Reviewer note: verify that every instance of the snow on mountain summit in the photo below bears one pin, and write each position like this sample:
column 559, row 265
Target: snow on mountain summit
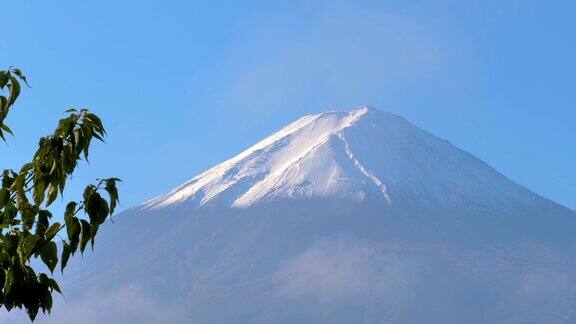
column 361, row 154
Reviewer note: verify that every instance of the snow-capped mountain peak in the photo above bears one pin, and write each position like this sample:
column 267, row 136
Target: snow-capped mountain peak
column 361, row 154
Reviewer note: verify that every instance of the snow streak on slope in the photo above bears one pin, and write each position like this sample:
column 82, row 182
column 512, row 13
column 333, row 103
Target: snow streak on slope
column 357, row 155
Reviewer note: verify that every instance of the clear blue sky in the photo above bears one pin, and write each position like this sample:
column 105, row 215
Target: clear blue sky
column 183, row 85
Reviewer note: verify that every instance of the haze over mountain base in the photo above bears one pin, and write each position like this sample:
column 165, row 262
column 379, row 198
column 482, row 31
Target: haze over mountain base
column 355, row 217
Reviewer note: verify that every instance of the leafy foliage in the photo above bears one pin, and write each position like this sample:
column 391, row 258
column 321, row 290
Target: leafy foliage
column 26, row 227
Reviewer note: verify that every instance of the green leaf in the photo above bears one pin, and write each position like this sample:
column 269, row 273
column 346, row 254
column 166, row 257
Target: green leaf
column 42, row 222
column 3, row 102
column 97, row 208
column 7, row 129
column 28, row 216
column 85, row 236
column 39, row 190
column 46, row 300
column 10, row 212
column 88, row 192
column 14, row 90
column 72, row 226
column 29, row 244
column 20, row 75
column 10, row 243
column 4, row 197
column 49, row 256
column 8, row 178
column 110, row 187
column 52, row 230
column 54, row 285
column 65, row 256
column 52, row 194
column 93, row 232
column 32, row 310
column 8, row 282
column 18, row 182
column 4, row 78
column 70, row 210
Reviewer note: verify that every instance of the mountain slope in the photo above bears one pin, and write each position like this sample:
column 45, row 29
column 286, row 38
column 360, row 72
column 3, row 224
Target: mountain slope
column 341, row 217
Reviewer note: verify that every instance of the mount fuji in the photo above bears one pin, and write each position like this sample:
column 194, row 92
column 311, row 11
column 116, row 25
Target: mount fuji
column 355, row 156
column 340, row 217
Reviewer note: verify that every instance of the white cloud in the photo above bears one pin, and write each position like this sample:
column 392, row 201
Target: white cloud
column 405, row 282
column 129, row 304
column 345, row 268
